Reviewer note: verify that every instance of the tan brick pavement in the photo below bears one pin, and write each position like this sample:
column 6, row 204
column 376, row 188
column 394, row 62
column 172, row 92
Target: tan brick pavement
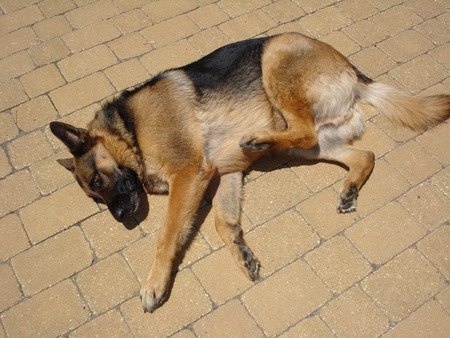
column 67, row 269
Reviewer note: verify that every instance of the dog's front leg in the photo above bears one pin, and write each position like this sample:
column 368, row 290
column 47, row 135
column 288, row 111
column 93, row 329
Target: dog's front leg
column 186, row 192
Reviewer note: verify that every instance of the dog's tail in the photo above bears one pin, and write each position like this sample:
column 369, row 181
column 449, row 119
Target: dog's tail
column 416, row 113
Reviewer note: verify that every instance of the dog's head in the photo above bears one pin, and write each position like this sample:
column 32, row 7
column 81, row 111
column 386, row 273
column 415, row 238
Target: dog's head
column 98, row 173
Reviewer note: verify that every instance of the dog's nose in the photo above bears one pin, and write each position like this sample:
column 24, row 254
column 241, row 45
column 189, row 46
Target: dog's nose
column 119, row 214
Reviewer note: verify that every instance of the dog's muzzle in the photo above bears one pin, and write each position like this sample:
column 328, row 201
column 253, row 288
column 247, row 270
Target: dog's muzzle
column 125, row 196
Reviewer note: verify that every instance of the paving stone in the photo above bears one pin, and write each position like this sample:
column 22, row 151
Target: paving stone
column 354, row 314
column 17, row 41
column 127, row 74
column 5, row 167
column 403, row 284
column 397, row 133
column 364, row 61
column 46, row 314
column 162, row 10
column 49, row 51
column 106, row 235
column 171, row 56
column 325, row 21
column 341, row 43
column 52, row 261
column 15, row 65
column 440, row 54
column 444, row 298
column 320, row 212
column 132, row 21
column 209, row 40
column 10, row 288
column 309, row 327
column 442, row 181
column 338, row 264
column 375, row 140
column 413, row 162
column 186, row 303
column 14, row 5
column 92, row 13
column 365, row 33
column 313, row 5
column 53, row 27
column 235, row 9
column 273, row 194
column 385, row 233
column 87, row 62
column 219, row 268
column 51, row 7
column 406, row 45
column 388, row 19
column 110, row 324
column 284, row 11
column 281, row 241
column 9, row 129
column 42, row 80
column 419, row 73
column 14, row 237
column 208, row 16
column 90, row 36
column 434, row 30
column 292, row 293
column 169, row 31
column 385, row 4
column 430, row 320
column 18, row 19
column 49, row 175
column 247, row 25
column 217, row 323
column 21, row 186
column 127, row 5
column 129, row 46
column 357, row 9
column 12, row 94
column 428, row 204
column 383, row 185
column 433, row 139
column 436, row 247
column 28, row 149
column 81, row 93
column 34, row 114
column 49, row 215
column 107, row 283
column 317, row 176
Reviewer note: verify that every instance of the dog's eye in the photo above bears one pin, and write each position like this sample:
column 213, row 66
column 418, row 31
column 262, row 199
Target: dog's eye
column 96, row 182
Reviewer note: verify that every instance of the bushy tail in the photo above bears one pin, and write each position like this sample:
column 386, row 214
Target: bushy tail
column 416, row 113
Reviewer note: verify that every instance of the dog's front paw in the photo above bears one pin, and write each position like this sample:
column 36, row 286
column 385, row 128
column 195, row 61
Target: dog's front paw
column 347, row 200
column 152, row 296
column 254, row 143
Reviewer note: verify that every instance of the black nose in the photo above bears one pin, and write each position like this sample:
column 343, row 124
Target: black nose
column 119, row 213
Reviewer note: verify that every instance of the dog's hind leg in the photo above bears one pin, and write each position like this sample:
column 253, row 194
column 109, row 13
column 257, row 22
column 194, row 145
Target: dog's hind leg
column 186, row 192
column 359, row 163
column 227, row 208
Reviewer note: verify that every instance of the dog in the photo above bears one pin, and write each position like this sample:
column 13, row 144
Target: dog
column 215, row 117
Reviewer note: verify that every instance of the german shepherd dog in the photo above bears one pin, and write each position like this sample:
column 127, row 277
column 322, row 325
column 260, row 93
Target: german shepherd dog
column 216, row 116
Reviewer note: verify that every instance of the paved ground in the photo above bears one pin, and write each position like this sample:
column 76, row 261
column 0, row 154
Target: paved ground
column 68, row 269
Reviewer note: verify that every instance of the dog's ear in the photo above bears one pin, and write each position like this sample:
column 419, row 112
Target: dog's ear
column 67, row 163
column 74, row 138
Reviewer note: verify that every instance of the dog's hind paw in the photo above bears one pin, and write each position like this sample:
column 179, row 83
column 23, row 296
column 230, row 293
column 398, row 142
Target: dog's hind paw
column 347, row 201
column 254, row 143
column 250, row 263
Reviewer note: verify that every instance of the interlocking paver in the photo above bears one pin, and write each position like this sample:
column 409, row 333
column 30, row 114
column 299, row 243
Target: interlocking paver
column 49, row 313
column 354, row 314
column 52, row 261
column 67, row 268
column 403, row 284
column 379, row 238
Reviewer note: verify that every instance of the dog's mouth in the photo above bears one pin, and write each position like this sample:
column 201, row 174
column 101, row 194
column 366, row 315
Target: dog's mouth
column 124, row 200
